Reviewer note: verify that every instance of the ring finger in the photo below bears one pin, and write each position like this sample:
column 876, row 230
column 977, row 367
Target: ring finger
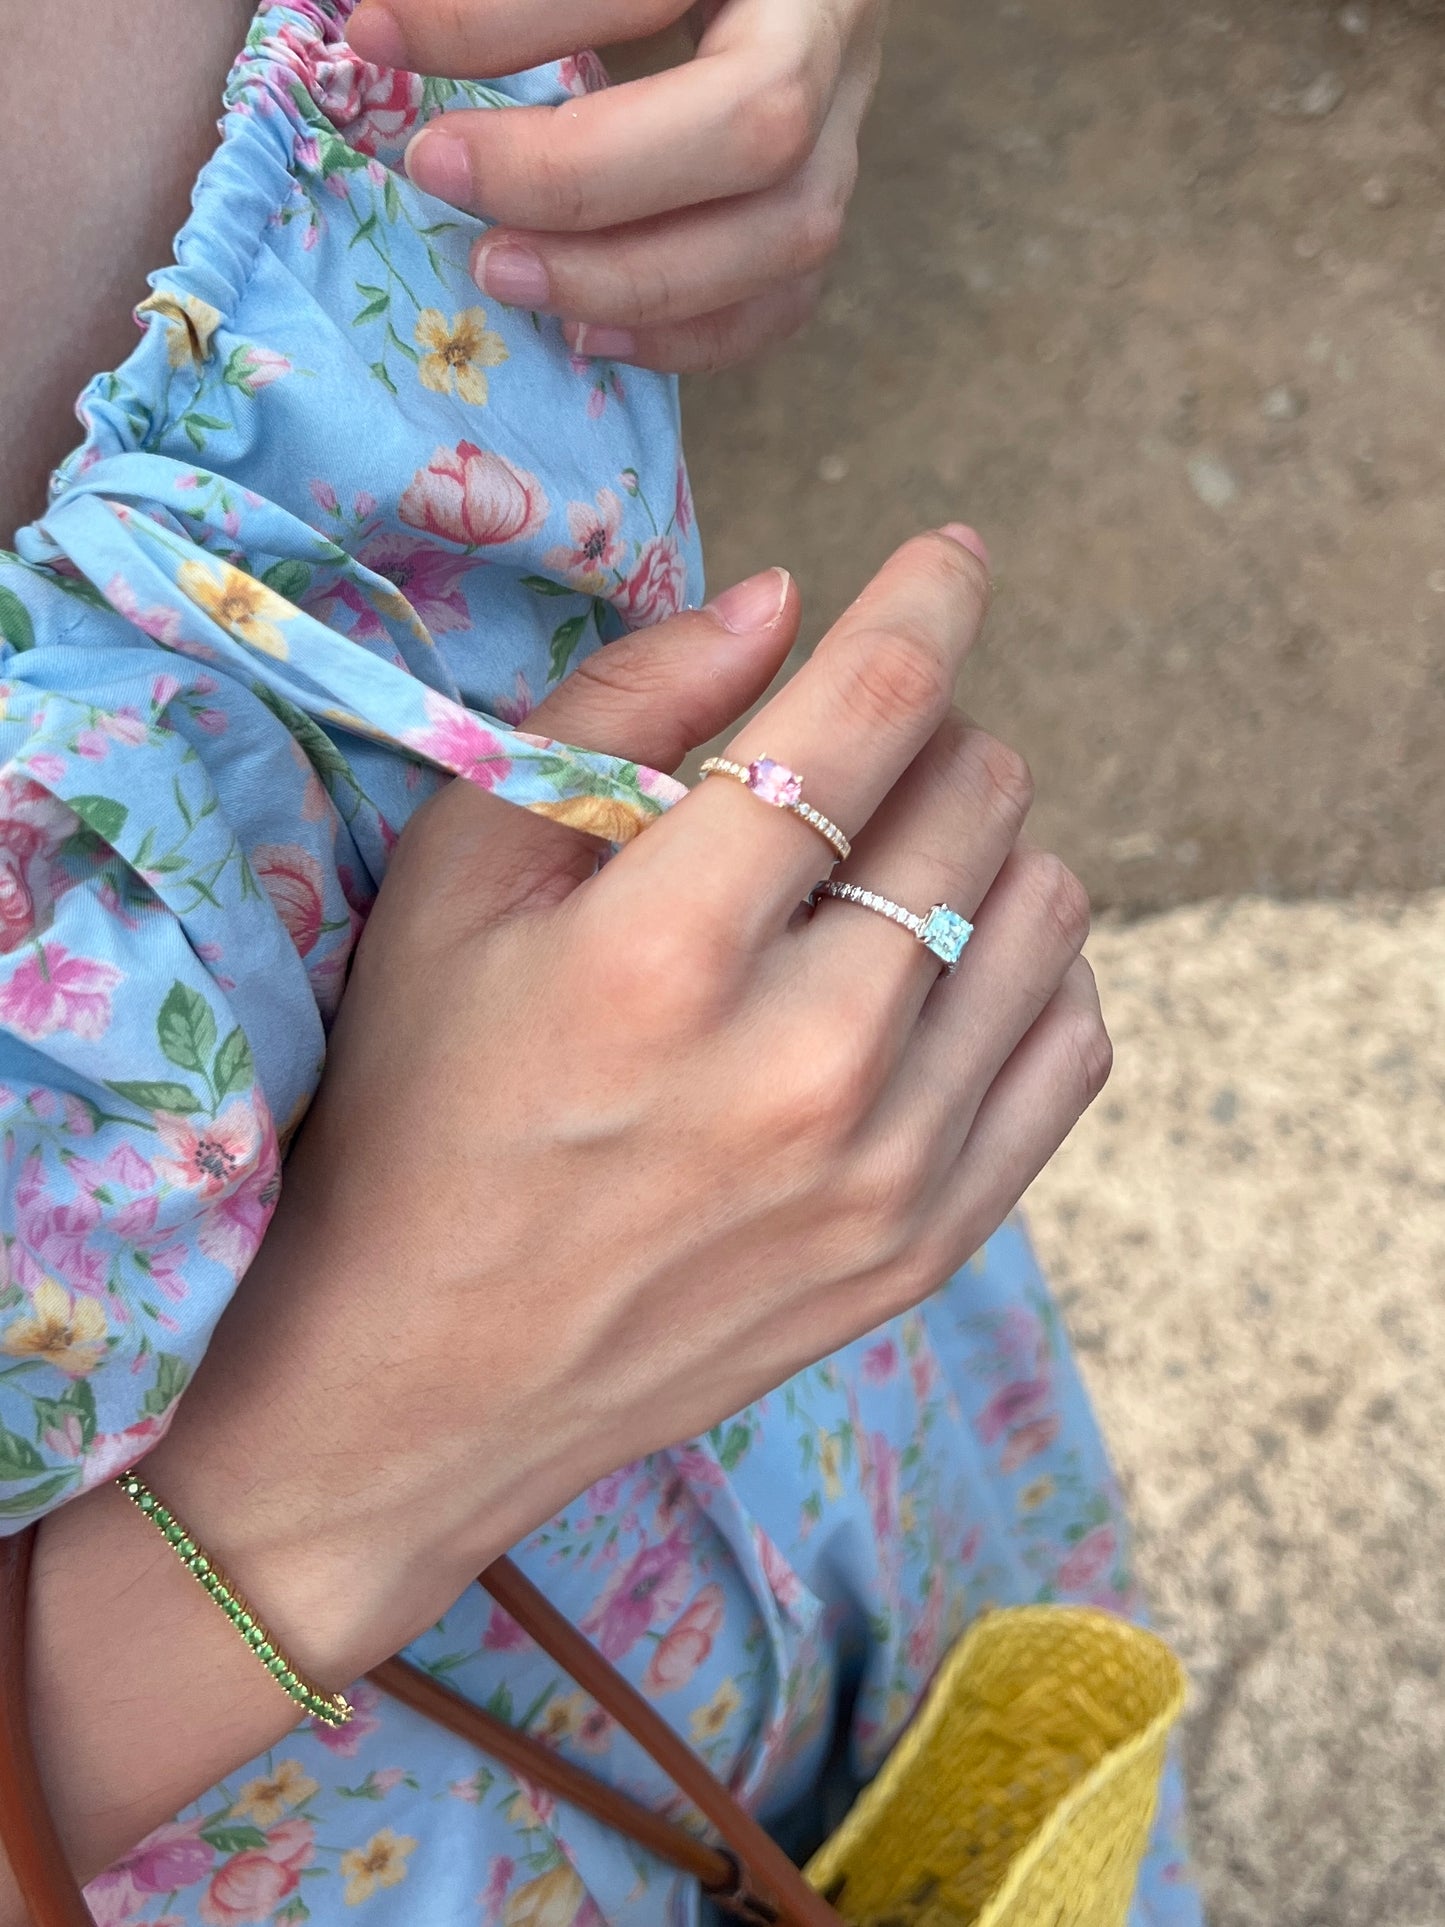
column 1031, row 927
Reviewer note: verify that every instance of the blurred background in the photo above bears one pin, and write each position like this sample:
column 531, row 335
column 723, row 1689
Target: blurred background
column 1152, row 294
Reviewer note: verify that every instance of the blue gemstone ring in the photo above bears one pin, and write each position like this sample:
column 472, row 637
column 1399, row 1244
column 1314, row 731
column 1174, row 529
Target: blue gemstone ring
column 941, row 930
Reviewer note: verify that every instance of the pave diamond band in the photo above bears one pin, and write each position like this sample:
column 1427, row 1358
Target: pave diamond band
column 776, row 784
column 941, row 930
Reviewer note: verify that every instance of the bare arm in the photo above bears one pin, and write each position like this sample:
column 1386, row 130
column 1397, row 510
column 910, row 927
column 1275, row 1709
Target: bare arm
column 102, row 134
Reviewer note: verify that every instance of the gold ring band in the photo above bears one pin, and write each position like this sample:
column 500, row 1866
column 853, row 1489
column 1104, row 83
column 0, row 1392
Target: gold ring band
column 775, row 784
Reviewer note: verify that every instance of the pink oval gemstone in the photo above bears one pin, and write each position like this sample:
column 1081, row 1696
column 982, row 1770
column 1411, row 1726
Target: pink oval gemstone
column 774, row 782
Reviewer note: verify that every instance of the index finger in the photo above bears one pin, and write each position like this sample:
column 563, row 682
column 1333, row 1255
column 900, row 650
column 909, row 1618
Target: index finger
column 733, row 121
column 848, row 724
column 478, row 39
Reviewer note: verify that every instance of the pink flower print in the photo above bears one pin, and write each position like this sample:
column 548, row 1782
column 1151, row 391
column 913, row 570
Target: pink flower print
column 65, row 1439
column 651, row 1586
column 969, row 1548
column 583, row 73
column 686, row 1644
column 470, row 496
column 1017, row 1404
column 375, row 107
column 307, row 151
column 1028, row 1441
column 698, row 1467
column 1090, row 1559
column 516, row 708
column 429, row 578
column 656, row 588
column 682, row 502
column 880, row 1362
column 595, row 1730
column 882, row 1484
column 345, row 1741
column 923, row 1370
column 923, row 1641
column 459, row 742
column 595, row 544
column 503, row 1634
column 211, row 1156
column 112, row 1453
column 215, row 722
column 163, row 690
column 292, row 879
column 494, row 1894
column 55, row 991
column 252, row 367
column 122, row 726
column 783, row 1582
column 33, row 826
column 232, row 1230
column 324, row 496
column 386, row 1778
column 123, row 1165
column 161, row 624
column 172, row 1857
column 253, row 1883
column 54, row 1242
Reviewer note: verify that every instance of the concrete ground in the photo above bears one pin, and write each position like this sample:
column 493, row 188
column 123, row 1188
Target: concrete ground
column 1152, row 293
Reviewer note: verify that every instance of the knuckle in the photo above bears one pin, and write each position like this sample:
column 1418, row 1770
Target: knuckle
column 1004, row 778
column 1062, row 901
column 1090, row 1054
column 778, row 129
column 819, row 233
column 555, row 189
column 824, row 1087
column 956, row 571
column 887, row 676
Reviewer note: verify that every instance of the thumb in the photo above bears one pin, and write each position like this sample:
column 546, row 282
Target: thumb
column 654, row 695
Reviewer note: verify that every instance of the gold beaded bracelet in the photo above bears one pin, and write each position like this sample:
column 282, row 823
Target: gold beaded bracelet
column 333, row 1709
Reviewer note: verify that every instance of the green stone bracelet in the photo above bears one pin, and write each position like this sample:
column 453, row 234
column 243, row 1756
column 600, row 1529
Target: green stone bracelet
column 331, row 1708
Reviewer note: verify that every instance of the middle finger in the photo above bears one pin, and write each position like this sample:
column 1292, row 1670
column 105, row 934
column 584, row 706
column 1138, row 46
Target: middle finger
column 941, row 837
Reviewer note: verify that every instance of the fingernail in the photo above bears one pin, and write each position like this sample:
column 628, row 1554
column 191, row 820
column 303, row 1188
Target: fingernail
column 440, row 164
column 512, row 274
column 967, row 538
column 375, row 33
column 604, row 344
column 752, row 606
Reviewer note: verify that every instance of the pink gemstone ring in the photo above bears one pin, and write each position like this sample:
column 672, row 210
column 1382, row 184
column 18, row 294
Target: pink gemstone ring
column 776, row 784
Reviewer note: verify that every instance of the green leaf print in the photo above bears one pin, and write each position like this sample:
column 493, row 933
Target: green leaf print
column 564, row 643
column 158, row 1095
column 735, row 1442
column 186, row 1028
column 15, row 624
column 37, row 1497
column 378, row 304
column 171, row 1376
column 77, row 1402
column 18, row 1457
column 541, row 585
column 288, row 578
column 103, row 814
column 233, row 1836
column 234, row 1069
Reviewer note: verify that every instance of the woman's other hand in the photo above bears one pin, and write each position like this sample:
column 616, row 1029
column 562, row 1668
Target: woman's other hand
column 681, row 221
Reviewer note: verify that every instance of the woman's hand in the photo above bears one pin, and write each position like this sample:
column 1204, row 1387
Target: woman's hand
column 597, row 1159
column 678, row 222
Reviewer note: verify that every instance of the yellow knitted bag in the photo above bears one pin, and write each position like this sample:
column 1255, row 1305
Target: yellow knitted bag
column 1023, row 1792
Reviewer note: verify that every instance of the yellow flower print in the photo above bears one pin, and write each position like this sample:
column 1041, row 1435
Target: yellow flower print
column 1035, row 1495
column 609, row 817
column 266, row 1799
column 551, row 1900
column 68, row 1333
column 380, row 1863
column 244, row 607
column 457, row 352
column 559, row 1720
column 907, row 1514
column 710, row 1721
column 830, row 1464
column 190, row 324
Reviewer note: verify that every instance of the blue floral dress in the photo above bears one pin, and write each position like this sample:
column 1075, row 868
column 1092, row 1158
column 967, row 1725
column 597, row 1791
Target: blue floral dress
column 334, row 528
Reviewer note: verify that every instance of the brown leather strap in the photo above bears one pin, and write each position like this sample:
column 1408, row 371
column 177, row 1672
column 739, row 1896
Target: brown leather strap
column 766, row 1873
column 540, row 1766
column 27, row 1831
